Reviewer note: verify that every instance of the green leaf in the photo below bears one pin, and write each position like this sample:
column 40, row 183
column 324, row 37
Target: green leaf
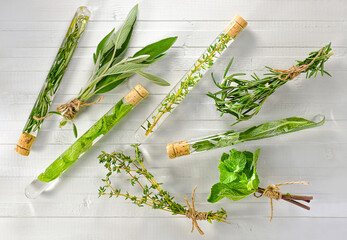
column 156, row 49
column 100, row 48
column 74, row 130
column 217, row 192
column 122, row 35
column 110, row 82
column 278, row 127
column 155, row 79
column 125, row 67
column 238, row 176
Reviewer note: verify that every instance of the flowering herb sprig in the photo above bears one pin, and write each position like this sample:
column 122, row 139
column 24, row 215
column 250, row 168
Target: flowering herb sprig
column 153, row 194
column 244, row 98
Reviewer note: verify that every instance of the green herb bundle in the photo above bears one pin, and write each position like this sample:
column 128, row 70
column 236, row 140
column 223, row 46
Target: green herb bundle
column 111, row 68
column 152, row 193
column 244, row 98
column 238, row 179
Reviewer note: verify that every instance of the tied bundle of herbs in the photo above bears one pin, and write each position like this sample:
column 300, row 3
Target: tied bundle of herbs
column 111, row 69
column 244, row 98
column 152, row 193
column 238, row 179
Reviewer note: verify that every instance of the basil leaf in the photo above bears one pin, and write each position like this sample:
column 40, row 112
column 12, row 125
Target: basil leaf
column 157, row 48
column 155, row 79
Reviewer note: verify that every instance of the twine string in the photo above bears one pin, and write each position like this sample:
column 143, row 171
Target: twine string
column 273, row 192
column 69, row 110
column 295, row 71
column 194, row 215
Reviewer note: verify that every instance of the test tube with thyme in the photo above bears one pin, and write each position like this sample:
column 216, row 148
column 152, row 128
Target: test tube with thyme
column 52, row 82
column 191, row 78
column 229, row 138
column 86, row 141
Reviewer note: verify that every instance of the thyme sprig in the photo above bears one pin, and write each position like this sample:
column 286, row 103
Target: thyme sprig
column 193, row 76
column 153, row 194
column 244, row 98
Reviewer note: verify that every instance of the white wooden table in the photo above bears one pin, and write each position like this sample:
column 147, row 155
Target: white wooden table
column 278, row 33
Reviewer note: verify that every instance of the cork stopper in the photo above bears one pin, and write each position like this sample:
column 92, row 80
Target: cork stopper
column 235, row 26
column 136, row 95
column 24, row 144
column 178, row 149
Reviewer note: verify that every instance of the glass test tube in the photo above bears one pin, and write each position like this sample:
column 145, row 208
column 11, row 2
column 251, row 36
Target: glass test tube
column 86, row 141
column 191, row 78
column 229, row 138
column 52, row 82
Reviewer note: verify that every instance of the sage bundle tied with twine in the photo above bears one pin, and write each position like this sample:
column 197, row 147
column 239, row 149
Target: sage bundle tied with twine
column 153, row 194
column 244, row 98
column 112, row 68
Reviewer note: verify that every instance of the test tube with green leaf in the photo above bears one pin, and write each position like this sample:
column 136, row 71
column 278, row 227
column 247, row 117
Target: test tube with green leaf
column 86, row 141
column 229, row 138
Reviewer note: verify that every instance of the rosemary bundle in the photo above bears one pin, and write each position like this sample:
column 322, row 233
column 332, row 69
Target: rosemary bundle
column 238, row 179
column 86, row 141
column 192, row 77
column 152, row 193
column 111, row 69
column 52, row 82
column 265, row 130
column 244, row 98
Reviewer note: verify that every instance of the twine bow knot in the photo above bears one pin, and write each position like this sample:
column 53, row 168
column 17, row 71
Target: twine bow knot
column 194, row 215
column 69, row 110
column 294, row 71
column 273, row 192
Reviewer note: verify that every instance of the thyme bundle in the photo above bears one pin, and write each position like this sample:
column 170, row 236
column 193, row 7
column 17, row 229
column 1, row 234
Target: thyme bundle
column 52, row 82
column 244, row 98
column 238, row 179
column 152, row 193
column 111, row 69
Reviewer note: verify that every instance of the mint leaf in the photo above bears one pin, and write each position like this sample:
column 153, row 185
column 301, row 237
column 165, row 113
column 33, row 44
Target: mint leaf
column 238, row 176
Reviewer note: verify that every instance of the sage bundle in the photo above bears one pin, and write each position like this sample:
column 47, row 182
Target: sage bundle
column 244, row 98
column 52, row 82
column 153, row 194
column 238, row 179
column 191, row 78
column 265, row 130
column 86, row 141
column 111, row 68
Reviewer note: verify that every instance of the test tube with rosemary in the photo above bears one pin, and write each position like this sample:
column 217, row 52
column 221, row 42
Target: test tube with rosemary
column 52, row 82
column 229, row 138
column 86, row 141
column 191, row 78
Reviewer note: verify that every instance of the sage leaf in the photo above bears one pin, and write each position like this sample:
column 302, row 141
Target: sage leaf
column 155, row 79
column 157, row 48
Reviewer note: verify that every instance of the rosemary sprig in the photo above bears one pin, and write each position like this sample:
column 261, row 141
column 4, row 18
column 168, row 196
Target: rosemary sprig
column 56, row 73
column 244, row 98
column 152, row 193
